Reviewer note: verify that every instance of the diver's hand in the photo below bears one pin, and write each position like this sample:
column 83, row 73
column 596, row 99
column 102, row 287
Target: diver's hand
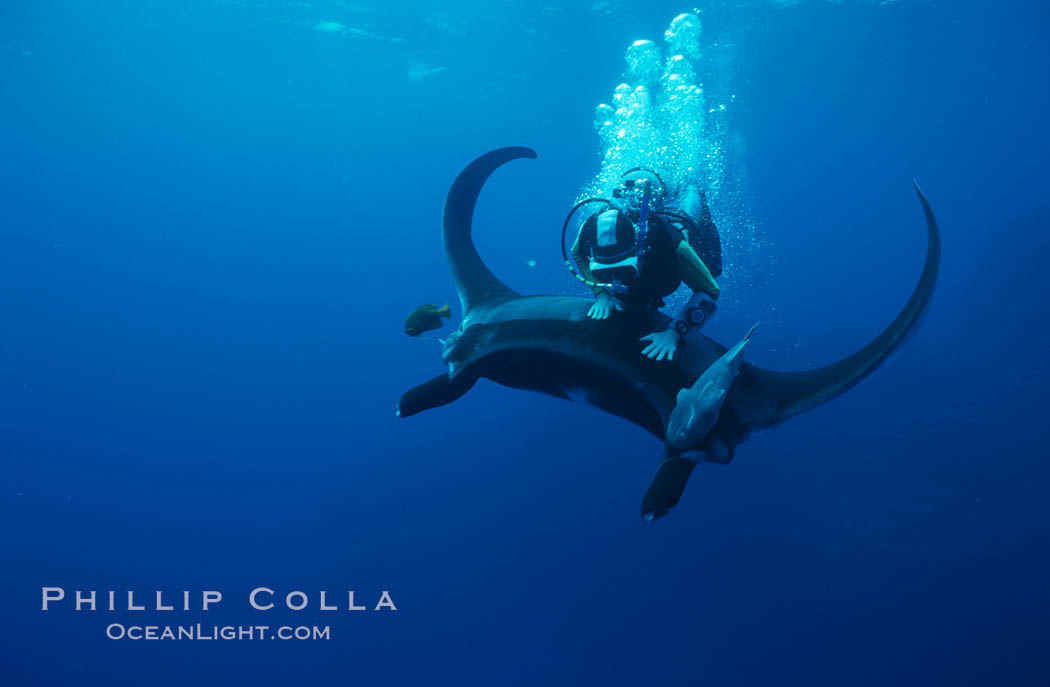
column 663, row 344
column 603, row 306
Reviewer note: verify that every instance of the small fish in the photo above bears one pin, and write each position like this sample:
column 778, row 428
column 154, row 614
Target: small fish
column 426, row 318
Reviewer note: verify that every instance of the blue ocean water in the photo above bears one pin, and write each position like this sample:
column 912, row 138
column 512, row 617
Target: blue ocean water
column 215, row 215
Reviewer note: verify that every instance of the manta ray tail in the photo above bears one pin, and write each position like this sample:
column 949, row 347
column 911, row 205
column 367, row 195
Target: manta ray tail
column 474, row 282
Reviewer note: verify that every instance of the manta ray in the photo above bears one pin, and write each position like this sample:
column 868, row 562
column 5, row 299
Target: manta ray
column 548, row 344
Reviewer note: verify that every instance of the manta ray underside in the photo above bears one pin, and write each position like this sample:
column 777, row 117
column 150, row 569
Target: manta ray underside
column 548, row 344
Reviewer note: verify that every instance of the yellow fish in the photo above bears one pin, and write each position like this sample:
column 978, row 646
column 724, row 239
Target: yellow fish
column 426, row 318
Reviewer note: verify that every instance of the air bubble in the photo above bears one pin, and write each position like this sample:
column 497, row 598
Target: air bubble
column 660, row 118
column 683, row 36
column 643, row 62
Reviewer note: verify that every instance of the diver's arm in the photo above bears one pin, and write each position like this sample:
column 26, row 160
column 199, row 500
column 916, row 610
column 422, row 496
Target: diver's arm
column 604, row 302
column 662, row 345
column 694, row 272
column 584, row 266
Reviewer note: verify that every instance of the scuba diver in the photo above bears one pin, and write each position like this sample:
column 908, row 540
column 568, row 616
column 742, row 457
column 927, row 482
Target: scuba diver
column 635, row 252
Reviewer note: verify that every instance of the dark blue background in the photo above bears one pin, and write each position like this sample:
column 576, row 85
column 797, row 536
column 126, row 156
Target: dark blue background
column 214, row 217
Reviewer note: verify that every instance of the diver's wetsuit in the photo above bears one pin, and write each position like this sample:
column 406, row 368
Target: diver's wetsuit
column 669, row 262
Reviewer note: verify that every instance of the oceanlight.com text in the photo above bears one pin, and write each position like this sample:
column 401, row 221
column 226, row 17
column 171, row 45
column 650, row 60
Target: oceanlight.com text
column 199, row 632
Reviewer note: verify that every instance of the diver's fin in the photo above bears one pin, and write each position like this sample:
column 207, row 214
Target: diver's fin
column 438, row 391
column 667, row 487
